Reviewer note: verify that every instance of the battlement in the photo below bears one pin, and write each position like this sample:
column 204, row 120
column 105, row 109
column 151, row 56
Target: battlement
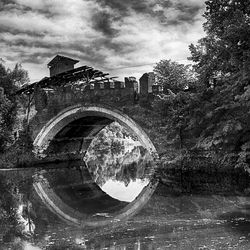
column 109, row 85
column 112, row 93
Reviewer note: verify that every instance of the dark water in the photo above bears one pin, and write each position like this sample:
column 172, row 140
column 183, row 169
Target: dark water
column 167, row 221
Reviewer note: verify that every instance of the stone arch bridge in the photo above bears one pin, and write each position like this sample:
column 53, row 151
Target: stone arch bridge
column 70, row 109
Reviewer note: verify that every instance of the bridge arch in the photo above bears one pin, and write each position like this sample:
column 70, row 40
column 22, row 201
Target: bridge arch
column 88, row 121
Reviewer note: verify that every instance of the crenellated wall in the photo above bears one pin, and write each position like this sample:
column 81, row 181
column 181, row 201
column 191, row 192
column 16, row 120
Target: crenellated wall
column 107, row 92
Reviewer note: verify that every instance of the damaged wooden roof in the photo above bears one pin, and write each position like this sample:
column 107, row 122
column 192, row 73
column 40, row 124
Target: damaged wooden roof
column 84, row 73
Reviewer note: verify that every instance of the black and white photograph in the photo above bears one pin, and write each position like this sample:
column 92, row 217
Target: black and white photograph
column 124, row 124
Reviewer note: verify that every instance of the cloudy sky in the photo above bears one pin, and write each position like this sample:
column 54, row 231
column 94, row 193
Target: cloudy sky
column 116, row 36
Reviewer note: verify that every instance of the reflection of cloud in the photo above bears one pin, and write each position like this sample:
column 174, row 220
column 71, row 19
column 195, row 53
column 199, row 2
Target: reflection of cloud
column 102, row 33
column 29, row 246
column 120, row 191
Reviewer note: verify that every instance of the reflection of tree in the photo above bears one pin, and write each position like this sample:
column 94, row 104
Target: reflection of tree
column 128, row 173
column 15, row 207
column 8, row 203
column 116, row 155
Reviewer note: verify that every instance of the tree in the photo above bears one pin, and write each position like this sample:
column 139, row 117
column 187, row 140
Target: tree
column 226, row 47
column 216, row 115
column 222, row 62
column 172, row 75
column 10, row 81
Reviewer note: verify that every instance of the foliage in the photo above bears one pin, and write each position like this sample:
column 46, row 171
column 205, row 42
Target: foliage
column 226, row 46
column 226, row 60
column 173, row 76
column 215, row 114
column 7, row 118
column 19, row 154
column 10, row 80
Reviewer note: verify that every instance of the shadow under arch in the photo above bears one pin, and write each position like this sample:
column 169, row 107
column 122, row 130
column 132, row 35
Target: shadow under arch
column 88, row 121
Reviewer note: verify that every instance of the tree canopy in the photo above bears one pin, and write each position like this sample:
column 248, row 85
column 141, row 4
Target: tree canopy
column 10, row 81
column 172, row 75
column 225, row 49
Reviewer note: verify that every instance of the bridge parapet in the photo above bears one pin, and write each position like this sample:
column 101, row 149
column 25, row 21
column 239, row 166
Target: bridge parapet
column 57, row 98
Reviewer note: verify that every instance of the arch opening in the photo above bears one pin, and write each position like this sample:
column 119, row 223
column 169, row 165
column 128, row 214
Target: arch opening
column 81, row 193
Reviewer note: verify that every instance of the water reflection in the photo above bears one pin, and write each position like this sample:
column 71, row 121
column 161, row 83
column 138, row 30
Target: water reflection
column 115, row 170
column 19, row 244
column 168, row 222
column 101, row 186
column 122, row 192
column 120, row 170
column 118, row 163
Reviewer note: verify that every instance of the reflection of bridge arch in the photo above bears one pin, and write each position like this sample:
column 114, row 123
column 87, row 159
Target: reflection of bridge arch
column 76, row 126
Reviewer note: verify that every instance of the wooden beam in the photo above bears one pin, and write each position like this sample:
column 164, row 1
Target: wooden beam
column 71, row 75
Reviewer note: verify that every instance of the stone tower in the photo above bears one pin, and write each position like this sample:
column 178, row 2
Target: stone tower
column 146, row 82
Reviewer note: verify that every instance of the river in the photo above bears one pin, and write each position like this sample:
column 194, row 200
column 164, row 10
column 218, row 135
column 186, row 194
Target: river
column 108, row 182
column 166, row 222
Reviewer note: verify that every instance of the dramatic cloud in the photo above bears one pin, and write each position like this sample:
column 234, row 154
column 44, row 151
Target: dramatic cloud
column 113, row 35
